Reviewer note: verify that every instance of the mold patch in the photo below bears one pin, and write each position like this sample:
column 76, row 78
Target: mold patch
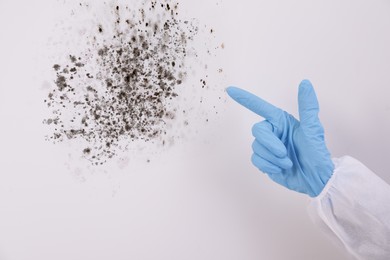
column 122, row 86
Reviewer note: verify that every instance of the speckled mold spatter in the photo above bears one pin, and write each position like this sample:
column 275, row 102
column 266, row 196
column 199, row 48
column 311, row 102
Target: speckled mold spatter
column 121, row 88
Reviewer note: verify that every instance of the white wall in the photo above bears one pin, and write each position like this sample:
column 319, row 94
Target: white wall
column 200, row 199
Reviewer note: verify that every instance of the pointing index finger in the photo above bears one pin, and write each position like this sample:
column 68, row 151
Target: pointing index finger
column 255, row 104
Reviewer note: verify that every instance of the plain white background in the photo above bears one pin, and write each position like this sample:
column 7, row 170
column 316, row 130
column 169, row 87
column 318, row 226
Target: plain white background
column 200, row 199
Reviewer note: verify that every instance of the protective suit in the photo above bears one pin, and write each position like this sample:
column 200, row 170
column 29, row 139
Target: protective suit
column 354, row 208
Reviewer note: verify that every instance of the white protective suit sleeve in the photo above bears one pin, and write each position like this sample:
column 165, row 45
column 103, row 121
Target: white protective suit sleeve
column 354, row 208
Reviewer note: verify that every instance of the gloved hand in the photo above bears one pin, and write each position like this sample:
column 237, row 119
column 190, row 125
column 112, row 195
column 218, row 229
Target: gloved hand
column 293, row 153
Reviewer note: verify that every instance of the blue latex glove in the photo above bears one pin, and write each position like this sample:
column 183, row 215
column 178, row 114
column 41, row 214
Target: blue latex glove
column 293, row 153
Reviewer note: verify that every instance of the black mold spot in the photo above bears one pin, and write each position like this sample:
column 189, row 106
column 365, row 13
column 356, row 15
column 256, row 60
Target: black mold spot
column 87, row 151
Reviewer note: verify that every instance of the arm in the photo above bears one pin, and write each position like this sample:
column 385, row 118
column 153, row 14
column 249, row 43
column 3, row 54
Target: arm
column 347, row 198
column 354, row 208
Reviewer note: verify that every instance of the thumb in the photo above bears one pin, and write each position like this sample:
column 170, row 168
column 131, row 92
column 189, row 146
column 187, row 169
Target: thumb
column 308, row 105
